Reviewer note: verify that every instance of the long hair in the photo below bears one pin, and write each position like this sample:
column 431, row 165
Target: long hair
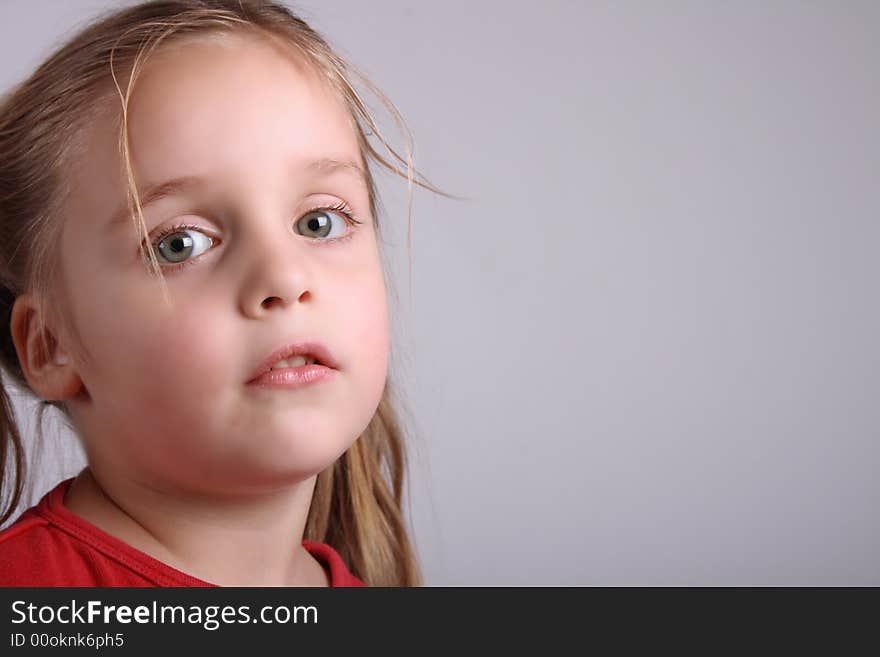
column 357, row 502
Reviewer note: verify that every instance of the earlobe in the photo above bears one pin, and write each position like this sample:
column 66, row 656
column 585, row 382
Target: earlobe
column 45, row 364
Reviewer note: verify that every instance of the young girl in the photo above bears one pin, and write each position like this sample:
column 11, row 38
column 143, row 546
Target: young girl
column 191, row 274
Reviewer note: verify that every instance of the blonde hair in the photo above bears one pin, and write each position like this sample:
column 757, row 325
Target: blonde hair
column 356, row 506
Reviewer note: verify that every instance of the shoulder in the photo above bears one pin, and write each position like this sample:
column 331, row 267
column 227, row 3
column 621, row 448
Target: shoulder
column 333, row 563
column 32, row 553
column 50, row 546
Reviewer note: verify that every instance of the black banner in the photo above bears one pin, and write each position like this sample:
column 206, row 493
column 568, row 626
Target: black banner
column 260, row 620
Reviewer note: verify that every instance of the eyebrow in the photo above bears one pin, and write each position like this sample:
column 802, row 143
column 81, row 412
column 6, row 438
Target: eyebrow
column 153, row 193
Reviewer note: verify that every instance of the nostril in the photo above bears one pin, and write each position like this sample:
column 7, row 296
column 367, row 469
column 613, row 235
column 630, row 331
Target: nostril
column 270, row 301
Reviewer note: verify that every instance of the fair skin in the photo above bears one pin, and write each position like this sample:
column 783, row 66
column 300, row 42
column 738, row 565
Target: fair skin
column 187, row 462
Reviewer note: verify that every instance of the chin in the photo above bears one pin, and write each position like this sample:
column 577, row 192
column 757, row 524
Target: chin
column 296, row 462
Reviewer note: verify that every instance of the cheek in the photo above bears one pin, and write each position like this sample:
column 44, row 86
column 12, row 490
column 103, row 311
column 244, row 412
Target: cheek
column 369, row 330
column 185, row 345
column 136, row 342
column 192, row 345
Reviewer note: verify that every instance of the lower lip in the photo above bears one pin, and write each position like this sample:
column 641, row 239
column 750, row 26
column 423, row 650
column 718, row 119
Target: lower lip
column 294, row 377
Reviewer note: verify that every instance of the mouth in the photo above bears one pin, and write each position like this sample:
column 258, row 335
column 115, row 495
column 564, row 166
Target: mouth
column 295, row 361
column 294, row 356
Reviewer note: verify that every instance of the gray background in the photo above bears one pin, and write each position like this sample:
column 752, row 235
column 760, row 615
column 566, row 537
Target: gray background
column 645, row 351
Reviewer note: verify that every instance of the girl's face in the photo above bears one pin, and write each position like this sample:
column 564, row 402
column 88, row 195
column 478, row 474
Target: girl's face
column 166, row 398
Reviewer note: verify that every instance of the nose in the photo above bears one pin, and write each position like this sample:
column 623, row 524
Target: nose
column 277, row 273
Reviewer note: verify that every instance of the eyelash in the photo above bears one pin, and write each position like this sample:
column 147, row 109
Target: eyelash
column 341, row 208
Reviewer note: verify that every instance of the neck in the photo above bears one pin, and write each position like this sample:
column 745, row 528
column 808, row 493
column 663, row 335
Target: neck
column 254, row 541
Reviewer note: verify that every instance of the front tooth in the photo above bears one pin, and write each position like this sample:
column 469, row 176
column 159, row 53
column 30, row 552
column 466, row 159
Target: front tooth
column 296, row 361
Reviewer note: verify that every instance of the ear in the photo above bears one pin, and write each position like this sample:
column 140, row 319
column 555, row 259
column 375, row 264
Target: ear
column 45, row 364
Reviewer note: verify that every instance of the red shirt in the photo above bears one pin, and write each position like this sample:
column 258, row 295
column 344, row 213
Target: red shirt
column 49, row 545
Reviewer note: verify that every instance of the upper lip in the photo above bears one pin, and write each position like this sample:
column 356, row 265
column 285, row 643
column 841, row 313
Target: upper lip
column 313, row 349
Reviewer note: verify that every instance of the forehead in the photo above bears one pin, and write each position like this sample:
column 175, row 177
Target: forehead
column 237, row 110
column 223, row 103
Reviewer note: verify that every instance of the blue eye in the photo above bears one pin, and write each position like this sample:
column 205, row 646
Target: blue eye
column 317, row 223
column 181, row 244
